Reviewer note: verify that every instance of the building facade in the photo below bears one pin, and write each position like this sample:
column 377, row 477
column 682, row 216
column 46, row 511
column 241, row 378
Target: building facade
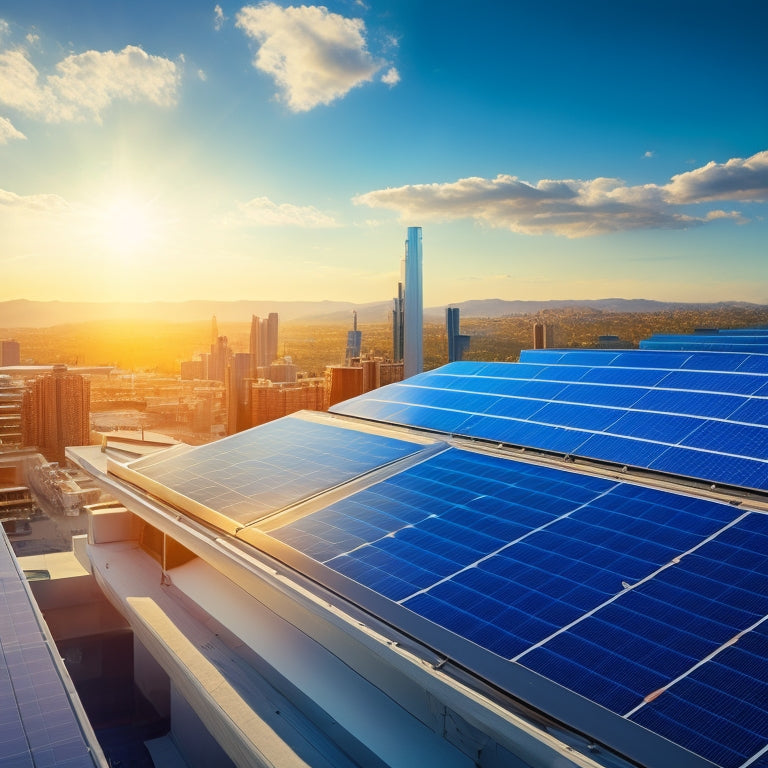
column 413, row 352
column 56, row 412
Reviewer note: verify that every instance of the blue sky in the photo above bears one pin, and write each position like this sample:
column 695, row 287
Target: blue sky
column 549, row 150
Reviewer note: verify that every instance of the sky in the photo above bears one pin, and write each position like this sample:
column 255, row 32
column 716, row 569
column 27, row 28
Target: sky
column 549, row 149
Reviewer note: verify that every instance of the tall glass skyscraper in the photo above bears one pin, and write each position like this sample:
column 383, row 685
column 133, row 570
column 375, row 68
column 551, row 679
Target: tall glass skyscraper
column 413, row 357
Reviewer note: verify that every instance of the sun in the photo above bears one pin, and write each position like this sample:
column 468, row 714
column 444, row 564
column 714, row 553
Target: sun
column 129, row 226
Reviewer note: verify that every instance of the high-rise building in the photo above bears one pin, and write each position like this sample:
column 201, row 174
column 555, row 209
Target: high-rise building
column 271, row 338
column 255, row 345
column 10, row 352
column 239, row 393
column 458, row 343
column 217, row 366
column 11, row 394
column 413, row 352
column 55, row 412
column 263, row 341
column 354, row 341
column 398, row 325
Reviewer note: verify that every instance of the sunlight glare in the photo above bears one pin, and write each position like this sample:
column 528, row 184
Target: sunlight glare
column 128, row 225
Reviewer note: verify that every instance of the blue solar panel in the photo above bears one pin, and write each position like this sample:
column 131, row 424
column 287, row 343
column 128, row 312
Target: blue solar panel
column 663, row 653
column 727, row 696
column 703, row 404
column 257, row 471
column 610, row 589
column 38, row 725
column 718, row 468
column 708, row 381
column 619, row 412
column 719, row 343
column 743, row 360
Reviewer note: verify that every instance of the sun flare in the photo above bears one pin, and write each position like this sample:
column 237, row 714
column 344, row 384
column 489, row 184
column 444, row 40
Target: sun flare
column 128, row 226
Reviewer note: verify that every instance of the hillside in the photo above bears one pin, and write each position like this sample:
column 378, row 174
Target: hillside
column 21, row 313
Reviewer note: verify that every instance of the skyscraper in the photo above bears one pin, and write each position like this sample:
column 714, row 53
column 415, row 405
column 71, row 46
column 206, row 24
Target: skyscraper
column 413, row 353
column 239, row 393
column 263, row 341
column 217, row 367
column 354, row 341
column 398, row 322
column 255, row 346
column 457, row 342
column 271, row 338
column 55, row 412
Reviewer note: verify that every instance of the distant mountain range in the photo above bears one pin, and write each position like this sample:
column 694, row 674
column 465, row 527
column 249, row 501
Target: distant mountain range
column 22, row 313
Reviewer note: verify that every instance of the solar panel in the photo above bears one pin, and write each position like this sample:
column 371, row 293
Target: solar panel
column 610, row 589
column 676, row 653
column 714, row 343
column 38, row 725
column 619, row 412
column 258, row 471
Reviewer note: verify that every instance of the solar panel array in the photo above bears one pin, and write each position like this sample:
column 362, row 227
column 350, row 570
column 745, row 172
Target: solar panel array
column 649, row 603
column 37, row 723
column 700, row 415
column 613, row 590
column 744, row 339
column 253, row 473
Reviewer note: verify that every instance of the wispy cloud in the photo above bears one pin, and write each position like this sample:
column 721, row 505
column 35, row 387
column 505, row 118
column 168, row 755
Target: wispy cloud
column 577, row 208
column 12, row 203
column 218, row 17
column 314, row 56
column 85, row 84
column 262, row 212
column 391, row 77
column 8, row 131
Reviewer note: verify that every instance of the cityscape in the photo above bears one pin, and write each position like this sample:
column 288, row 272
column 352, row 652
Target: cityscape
column 383, row 384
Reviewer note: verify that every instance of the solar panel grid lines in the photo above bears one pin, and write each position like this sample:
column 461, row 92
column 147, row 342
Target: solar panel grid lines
column 567, row 412
column 257, row 472
column 742, row 360
column 646, row 579
column 724, row 697
column 38, row 725
column 507, row 605
column 701, row 662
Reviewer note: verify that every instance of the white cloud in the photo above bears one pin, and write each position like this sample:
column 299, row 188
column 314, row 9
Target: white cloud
column 218, row 18
column 8, row 131
column 5, row 29
column 391, row 77
column 85, row 84
column 313, row 55
column 736, row 179
column 576, row 208
column 649, row 153
column 10, row 202
column 261, row 211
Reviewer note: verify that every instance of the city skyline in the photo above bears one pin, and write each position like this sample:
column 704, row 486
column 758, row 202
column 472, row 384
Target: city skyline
column 279, row 152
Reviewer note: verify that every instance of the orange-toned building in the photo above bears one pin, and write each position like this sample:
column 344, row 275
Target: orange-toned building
column 270, row 401
column 55, row 412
